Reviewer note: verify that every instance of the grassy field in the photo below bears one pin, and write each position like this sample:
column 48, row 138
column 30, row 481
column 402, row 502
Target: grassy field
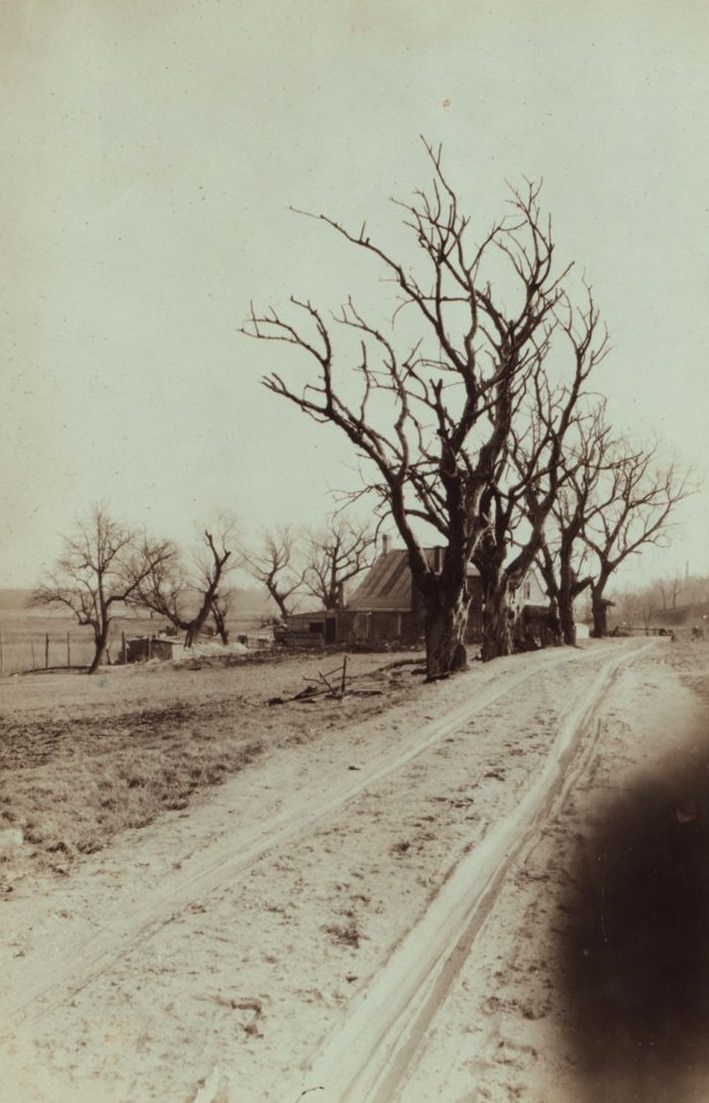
column 84, row 759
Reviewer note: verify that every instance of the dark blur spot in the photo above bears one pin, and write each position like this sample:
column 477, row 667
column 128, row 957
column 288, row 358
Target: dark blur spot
column 636, row 942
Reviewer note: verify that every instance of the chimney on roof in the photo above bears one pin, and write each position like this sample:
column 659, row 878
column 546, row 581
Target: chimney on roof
column 385, row 543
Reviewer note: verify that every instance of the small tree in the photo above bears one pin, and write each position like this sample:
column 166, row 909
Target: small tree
column 272, row 564
column 187, row 596
column 102, row 566
column 334, row 556
column 431, row 407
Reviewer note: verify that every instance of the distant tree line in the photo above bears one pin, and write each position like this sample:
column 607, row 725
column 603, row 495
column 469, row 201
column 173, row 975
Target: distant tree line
column 660, row 601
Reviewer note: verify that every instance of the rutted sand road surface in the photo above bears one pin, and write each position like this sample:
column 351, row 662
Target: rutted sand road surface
column 382, row 913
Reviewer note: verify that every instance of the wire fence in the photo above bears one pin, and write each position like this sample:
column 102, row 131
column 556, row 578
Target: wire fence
column 25, row 647
column 53, row 643
column 23, row 651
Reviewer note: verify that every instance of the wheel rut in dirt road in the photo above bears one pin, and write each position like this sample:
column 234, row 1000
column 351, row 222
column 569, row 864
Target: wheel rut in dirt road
column 74, row 963
column 367, row 1060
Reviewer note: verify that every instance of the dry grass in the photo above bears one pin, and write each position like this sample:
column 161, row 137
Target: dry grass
column 84, row 759
column 72, row 788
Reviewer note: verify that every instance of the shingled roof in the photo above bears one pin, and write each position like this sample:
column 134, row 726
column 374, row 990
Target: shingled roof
column 387, row 584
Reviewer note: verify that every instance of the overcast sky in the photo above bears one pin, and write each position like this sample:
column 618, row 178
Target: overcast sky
column 151, row 150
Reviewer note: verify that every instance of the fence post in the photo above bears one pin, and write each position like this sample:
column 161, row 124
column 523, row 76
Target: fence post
column 2, row 652
column 34, row 660
column 68, row 650
column 46, row 651
column 124, row 648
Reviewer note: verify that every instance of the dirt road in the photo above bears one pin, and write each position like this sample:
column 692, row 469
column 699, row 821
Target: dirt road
column 393, row 910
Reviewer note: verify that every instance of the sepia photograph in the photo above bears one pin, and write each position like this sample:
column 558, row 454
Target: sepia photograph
column 354, row 552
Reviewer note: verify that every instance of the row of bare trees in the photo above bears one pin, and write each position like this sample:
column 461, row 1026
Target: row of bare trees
column 106, row 567
column 476, row 413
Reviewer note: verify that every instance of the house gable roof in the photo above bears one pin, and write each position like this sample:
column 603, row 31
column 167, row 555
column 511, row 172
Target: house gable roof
column 387, row 586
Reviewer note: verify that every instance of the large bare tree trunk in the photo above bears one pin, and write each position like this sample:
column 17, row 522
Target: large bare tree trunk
column 497, row 624
column 446, row 622
column 566, row 618
column 566, row 605
column 600, row 614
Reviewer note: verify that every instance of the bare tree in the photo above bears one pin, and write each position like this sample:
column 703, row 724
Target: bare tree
column 334, row 556
column 522, row 497
column 669, row 590
column 187, row 596
column 432, row 410
column 102, row 566
column 272, row 563
column 632, row 509
column 563, row 556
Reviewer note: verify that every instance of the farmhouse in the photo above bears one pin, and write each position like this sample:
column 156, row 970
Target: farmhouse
column 387, row 607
